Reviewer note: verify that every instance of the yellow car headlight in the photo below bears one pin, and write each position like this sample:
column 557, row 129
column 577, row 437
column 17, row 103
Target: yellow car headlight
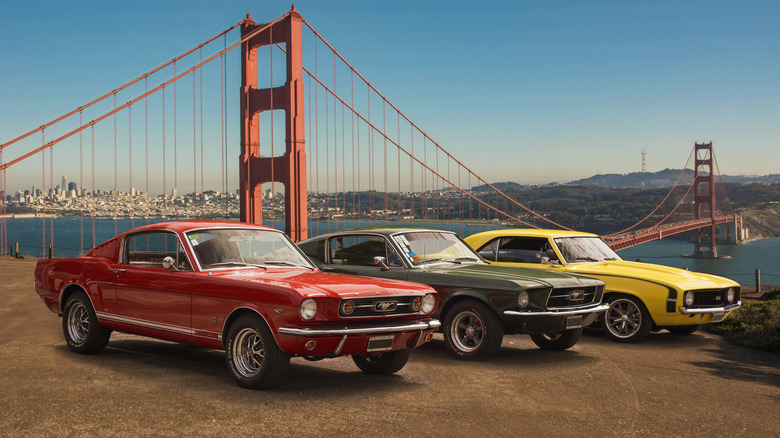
column 731, row 295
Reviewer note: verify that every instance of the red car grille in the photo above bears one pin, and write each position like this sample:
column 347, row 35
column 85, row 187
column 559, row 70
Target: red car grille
column 379, row 306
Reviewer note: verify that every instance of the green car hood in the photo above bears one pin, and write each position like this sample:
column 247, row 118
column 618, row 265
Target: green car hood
column 496, row 277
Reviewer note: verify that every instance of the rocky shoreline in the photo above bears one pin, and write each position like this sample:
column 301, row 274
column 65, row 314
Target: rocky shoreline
column 763, row 222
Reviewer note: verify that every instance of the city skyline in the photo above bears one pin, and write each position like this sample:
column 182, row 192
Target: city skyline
column 582, row 89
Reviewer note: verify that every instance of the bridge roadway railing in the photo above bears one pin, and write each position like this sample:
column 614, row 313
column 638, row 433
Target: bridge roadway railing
column 626, row 240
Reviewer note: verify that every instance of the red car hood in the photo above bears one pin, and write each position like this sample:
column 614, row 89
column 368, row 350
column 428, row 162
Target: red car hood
column 312, row 283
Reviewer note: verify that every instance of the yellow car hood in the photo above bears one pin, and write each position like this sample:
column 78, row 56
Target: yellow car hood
column 681, row 278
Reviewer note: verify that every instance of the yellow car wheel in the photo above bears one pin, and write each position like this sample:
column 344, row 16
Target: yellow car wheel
column 626, row 320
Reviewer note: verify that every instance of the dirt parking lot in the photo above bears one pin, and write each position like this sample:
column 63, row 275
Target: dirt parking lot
column 697, row 385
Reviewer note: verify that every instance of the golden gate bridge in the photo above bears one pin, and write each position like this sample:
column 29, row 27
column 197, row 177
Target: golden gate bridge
column 310, row 122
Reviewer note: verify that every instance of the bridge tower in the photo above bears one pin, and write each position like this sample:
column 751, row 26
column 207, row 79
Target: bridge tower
column 290, row 168
column 704, row 201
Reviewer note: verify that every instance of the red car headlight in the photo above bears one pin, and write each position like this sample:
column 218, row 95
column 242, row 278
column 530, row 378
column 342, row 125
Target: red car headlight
column 308, row 309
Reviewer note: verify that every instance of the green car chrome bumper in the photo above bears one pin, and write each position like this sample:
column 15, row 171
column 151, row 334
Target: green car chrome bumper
column 596, row 309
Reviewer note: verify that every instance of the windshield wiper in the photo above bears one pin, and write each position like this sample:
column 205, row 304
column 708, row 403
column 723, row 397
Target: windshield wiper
column 235, row 264
column 422, row 262
column 466, row 259
column 587, row 259
column 286, row 263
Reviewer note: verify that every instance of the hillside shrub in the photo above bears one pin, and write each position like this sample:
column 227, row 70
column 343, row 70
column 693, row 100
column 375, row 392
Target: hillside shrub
column 755, row 324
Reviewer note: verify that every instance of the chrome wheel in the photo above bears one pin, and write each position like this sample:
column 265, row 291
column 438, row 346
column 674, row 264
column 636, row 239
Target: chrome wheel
column 623, row 318
column 78, row 323
column 253, row 357
column 467, row 331
column 626, row 320
column 248, row 352
column 472, row 330
column 82, row 330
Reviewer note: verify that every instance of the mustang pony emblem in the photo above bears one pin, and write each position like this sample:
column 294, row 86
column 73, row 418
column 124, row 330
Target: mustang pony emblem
column 385, row 306
column 577, row 295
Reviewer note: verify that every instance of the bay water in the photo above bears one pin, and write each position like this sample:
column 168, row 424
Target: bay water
column 73, row 237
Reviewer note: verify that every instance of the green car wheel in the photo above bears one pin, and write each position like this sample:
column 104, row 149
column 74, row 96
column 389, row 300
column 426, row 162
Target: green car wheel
column 472, row 330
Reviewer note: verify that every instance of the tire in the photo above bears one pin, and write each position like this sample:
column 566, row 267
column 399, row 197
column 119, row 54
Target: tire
column 83, row 333
column 253, row 358
column 472, row 331
column 683, row 329
column 382, row 363
column 626, row 320
column 557, row 341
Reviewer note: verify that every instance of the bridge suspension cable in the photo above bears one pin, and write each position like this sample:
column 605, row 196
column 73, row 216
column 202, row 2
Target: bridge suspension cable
column 671, row 190
column 428, row 138
column 122, row 87
column 351, row 142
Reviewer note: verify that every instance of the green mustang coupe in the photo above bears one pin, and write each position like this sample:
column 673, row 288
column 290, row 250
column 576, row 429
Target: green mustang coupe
column 479, row 302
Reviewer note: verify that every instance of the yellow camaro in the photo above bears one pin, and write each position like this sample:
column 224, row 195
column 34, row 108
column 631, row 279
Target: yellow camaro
column 641, row 296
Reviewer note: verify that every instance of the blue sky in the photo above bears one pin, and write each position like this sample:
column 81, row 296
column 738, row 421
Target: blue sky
column 551, row 90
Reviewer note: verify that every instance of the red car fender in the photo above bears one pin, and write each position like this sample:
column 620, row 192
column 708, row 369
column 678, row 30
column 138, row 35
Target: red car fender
column 249, row 308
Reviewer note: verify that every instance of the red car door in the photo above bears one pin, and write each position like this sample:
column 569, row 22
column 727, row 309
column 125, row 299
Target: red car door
column 155, row 300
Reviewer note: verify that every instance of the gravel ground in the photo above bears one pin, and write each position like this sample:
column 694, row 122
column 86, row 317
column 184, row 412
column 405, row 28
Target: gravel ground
column 696, row 385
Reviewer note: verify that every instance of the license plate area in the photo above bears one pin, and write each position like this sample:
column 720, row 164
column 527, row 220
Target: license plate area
column 573, row 321
column 380, row 343
column 718, row 316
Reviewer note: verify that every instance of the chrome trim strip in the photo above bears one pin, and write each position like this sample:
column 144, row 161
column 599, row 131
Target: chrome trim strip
column 686, row 311
column 359, row 330
column 144, row 323
column 600, row 308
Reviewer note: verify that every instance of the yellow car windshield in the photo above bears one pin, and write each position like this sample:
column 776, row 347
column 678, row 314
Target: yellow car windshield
column 585, row 249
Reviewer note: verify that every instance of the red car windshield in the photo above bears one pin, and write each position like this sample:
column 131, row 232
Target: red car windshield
column 237, row 247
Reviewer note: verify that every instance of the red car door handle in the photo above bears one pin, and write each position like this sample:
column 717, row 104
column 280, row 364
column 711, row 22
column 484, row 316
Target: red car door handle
column 118, row 270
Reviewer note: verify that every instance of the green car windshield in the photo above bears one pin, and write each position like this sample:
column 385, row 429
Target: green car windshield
column 435, row 247
column 585, row 249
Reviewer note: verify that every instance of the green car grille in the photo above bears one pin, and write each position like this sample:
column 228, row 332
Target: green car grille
column 568, row 297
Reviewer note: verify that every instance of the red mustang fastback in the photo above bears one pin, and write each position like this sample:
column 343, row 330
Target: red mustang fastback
column 243, row 288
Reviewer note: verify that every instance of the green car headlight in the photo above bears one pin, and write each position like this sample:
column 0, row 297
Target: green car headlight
column 522, row 300
column 428, row 303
